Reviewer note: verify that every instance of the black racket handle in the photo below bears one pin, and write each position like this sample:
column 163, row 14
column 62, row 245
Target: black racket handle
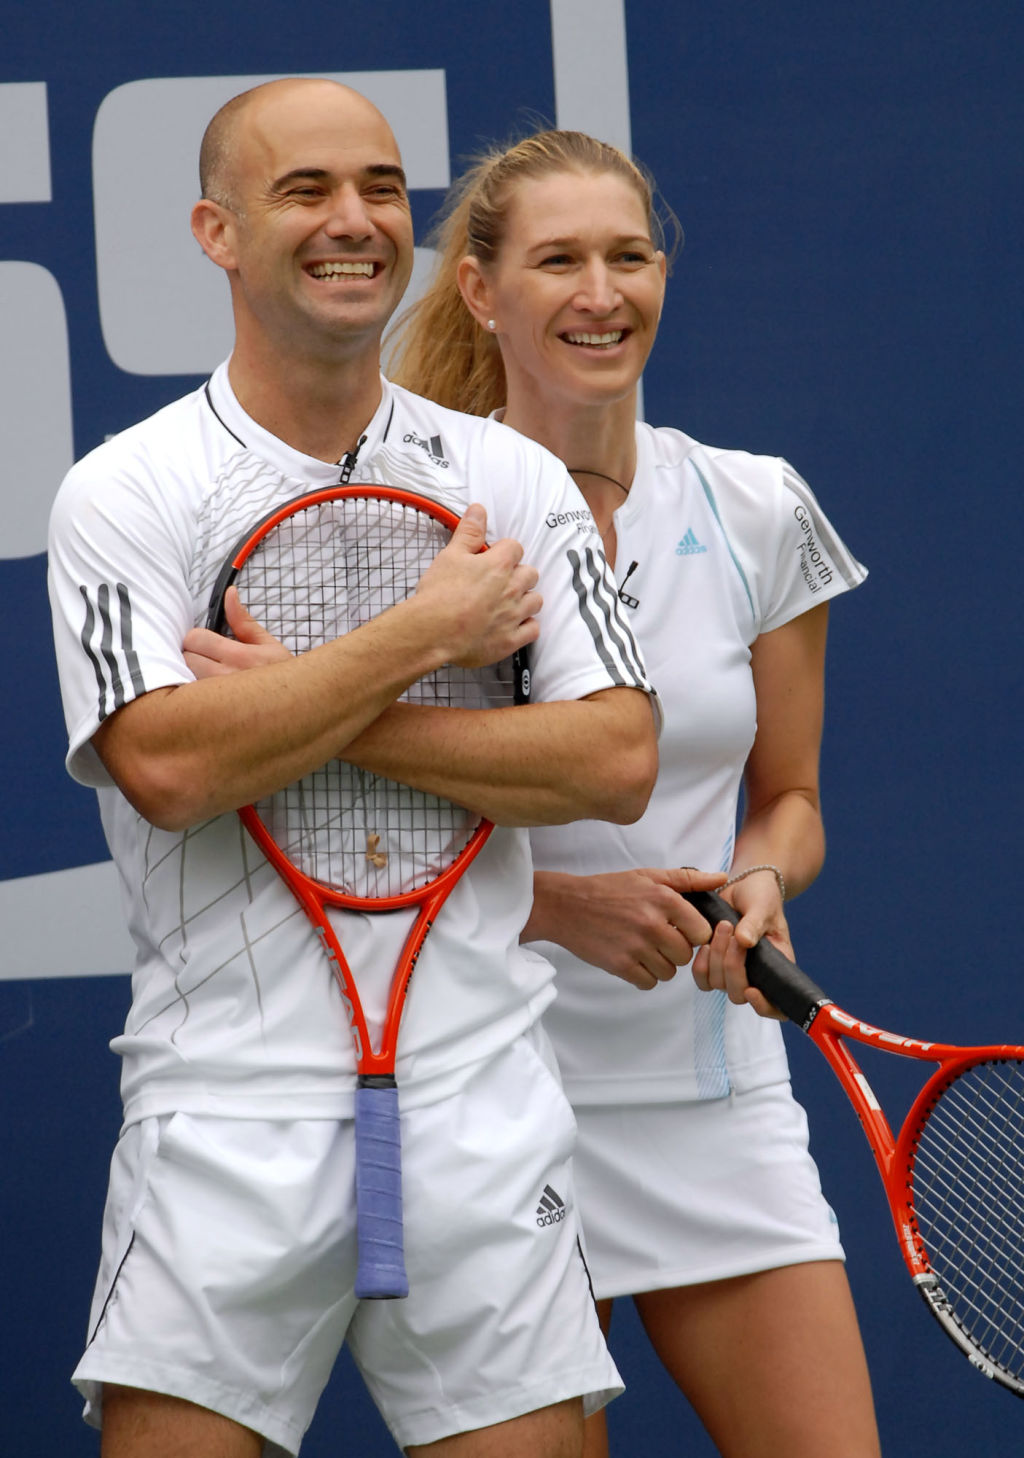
column 783, row 983
column 521, row 676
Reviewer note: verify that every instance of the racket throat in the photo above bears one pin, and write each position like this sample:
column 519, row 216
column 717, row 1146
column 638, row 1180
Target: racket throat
column 376, row 1080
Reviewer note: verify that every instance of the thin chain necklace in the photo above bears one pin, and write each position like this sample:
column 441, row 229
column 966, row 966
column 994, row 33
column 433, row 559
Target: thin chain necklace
column 586, row 471
column 608, row 535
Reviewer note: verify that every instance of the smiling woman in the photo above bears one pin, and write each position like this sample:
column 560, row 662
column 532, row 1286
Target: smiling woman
column 575, row 292
column 698, row 1194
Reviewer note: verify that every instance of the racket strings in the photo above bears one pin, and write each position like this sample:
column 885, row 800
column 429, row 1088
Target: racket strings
column 319, row 573
column 365, row 836
column 332, row 566
column 968, row 1199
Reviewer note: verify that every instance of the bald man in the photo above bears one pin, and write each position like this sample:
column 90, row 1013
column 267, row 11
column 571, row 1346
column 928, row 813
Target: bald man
column 225, row 1286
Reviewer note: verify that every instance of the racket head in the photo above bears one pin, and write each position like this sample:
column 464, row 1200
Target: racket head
column 958, row 1170
column 311, row 570
column 954, row 1176
column 314, row 524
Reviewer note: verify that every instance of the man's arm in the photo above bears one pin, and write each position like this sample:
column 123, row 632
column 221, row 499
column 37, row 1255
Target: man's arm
column 593, row 758
column 184, row 753
column 547, row 765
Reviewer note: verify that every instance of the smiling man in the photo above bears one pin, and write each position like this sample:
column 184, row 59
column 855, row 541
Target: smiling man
column 226, row 1281
column 305, row 207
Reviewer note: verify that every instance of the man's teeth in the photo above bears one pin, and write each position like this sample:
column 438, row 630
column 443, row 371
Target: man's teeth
column 612, row 338
column 336, row 270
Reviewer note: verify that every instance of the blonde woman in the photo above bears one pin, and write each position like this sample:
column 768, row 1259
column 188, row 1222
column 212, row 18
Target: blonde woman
column 699, row 1197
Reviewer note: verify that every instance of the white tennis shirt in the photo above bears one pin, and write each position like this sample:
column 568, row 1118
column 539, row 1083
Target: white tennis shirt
column 714, row 547
column 234, row 1009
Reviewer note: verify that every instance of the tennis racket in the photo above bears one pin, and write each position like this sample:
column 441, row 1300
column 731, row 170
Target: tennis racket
column 953, row 1176
column 311, row 570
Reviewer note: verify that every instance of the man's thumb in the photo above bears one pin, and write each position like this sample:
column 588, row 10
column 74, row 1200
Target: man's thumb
column 243, row 625
column 471, row 531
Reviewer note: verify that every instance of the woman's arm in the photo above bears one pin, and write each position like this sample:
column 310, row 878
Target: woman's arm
column 636, row 924
column 782, row 825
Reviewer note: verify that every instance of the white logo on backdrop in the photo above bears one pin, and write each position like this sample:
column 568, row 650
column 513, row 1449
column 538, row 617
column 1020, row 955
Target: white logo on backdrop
column 24, row 143
column 35, row 386
column 35, row 381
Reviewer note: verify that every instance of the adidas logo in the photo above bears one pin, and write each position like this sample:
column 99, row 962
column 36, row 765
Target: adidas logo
column 551, row 1208
column 433, row 447
column 689, row 546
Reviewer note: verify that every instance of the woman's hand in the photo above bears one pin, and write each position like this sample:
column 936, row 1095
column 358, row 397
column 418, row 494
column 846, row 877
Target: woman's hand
column 721, row 962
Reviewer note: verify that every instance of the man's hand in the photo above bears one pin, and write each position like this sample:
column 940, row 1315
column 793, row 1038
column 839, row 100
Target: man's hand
column 484, row 601
column 634, row 924
column 210, row 654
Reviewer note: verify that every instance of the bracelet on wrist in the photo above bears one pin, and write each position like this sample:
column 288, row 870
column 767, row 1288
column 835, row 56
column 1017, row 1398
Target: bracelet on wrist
column 751, row 870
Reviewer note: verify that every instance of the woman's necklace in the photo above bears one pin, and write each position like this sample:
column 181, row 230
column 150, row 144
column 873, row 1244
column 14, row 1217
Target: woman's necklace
column 586, row 471
column 608, row 535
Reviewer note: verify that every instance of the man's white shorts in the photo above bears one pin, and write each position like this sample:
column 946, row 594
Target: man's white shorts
column 229, row 1256
column 674, row 1194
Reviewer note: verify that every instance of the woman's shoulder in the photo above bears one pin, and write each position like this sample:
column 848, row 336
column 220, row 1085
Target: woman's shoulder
column 718, row 468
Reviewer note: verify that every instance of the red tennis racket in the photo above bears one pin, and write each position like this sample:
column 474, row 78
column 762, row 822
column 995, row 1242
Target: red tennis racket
column 310, row 571
column 953, row 1176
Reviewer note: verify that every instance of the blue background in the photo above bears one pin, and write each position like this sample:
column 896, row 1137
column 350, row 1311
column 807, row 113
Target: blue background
column 849, row 179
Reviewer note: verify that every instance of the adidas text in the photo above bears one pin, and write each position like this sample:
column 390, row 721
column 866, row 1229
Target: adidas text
column 433, row 447
column 551, row 1208
column 551, row 1219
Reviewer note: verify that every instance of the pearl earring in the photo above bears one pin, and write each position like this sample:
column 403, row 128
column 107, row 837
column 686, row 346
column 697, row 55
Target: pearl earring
column 491, row 324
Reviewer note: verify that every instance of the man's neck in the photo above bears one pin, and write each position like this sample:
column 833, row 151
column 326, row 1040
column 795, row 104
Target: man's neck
column 316, row 407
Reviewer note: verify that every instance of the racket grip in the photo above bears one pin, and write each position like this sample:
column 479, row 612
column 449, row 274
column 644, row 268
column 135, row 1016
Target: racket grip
column 784, row 984
column 380, row 1268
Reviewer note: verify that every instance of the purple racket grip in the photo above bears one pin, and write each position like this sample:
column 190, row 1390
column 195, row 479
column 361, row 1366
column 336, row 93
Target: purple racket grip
column 380, row 1271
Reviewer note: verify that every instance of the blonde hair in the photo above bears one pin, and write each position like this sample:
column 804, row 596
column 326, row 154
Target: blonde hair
column 437, row 347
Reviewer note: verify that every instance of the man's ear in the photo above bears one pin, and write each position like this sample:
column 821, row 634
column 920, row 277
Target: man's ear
column 474, row 289
column 213, row 228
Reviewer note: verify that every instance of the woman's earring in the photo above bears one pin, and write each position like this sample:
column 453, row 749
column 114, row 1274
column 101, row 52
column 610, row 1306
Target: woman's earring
column 491, row 324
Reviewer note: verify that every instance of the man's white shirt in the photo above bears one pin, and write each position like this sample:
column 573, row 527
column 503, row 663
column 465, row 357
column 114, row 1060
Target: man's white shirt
column 234, row 1008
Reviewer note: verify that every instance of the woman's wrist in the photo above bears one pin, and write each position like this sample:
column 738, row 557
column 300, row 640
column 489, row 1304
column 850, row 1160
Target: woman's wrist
column 752, row 871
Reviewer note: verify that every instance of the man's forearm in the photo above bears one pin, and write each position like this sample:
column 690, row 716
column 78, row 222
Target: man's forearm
column 541, row 764
column 184, row 754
